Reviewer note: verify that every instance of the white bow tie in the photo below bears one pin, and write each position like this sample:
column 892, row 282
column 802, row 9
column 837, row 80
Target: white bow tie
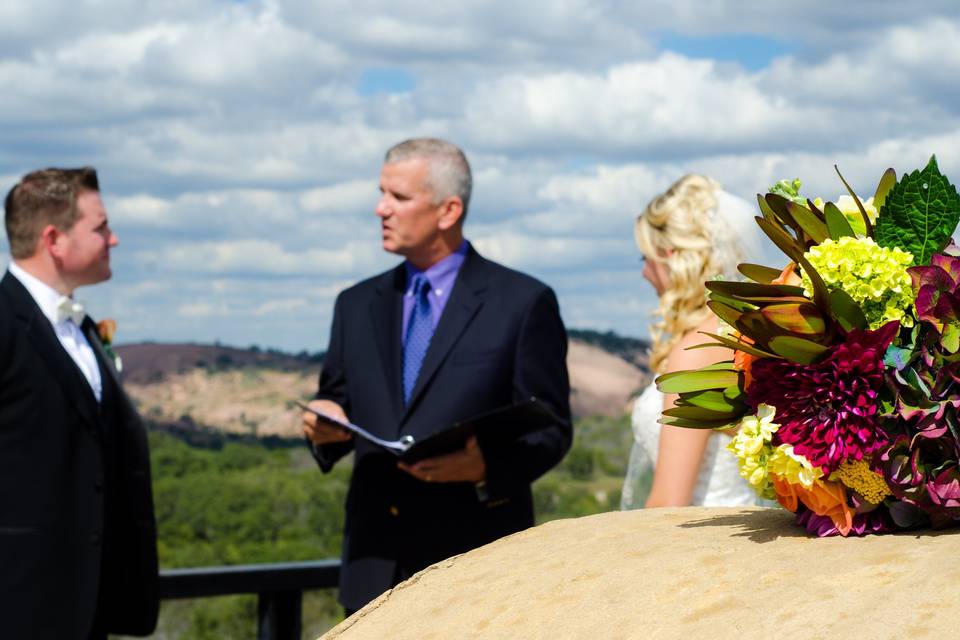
column 69, row 309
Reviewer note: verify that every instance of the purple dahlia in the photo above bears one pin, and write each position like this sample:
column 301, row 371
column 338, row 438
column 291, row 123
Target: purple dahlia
column 828, row 410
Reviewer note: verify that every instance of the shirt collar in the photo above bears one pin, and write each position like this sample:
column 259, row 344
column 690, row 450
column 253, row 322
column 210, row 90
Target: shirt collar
column 441, row 271
column 46, row 297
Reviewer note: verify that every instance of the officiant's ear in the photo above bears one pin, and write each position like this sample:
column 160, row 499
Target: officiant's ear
column 49, row 239
column 451, row 213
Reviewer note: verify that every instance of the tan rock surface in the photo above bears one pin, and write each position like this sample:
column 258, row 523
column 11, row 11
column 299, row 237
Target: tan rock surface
column 677, row 573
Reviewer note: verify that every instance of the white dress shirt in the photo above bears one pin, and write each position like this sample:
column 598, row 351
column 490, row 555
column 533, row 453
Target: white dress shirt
column 68, row 333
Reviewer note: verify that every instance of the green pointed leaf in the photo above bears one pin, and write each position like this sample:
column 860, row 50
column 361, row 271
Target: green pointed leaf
column 697, row 380
column 803, row 319
column 725, row 313
column 760, row 301
column 736, row 345
column 779, row 236
column 887, row 181
column 778, row 205
column 797, row 349
column 700, row 424
column 733, row 393
column 863, row 212
column 688, row 412
column 731, row 301
column 810, row 223
column 759, row 273
column 746, row 290
column 837, row 223
column 765, row 209
column 920, row 213
column 847, row 312
column 714, row 400
column 723, row 365
column 821, row 296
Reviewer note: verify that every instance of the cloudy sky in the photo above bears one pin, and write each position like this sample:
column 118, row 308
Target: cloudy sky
column 239, row 143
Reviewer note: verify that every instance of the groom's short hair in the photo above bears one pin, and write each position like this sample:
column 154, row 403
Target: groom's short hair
column 47, row 196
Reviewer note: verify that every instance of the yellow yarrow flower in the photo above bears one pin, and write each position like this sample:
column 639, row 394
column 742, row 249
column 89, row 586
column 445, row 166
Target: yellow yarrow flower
column 875, row 277
column 857, row 475
column 752, row 447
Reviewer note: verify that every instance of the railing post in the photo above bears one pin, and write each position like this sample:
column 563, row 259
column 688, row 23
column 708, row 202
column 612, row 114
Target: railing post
column 280, row 615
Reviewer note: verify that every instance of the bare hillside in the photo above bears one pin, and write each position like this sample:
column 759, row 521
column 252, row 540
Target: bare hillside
column 251, row 392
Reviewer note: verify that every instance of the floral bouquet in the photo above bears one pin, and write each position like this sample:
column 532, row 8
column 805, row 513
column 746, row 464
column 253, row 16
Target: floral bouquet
column 845, row 379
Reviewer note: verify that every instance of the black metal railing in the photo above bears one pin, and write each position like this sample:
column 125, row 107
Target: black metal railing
column 279, row 587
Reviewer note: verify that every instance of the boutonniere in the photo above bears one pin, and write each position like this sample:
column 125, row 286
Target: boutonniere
column 106, row 329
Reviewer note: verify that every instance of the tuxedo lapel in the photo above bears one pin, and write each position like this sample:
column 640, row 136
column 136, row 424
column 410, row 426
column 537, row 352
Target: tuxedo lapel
column 108, row 370
column 48, row 347
column 386, row 311
column 464, row 303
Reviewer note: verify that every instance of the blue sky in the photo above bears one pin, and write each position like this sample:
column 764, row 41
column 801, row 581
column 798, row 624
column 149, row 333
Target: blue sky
column 239, row 144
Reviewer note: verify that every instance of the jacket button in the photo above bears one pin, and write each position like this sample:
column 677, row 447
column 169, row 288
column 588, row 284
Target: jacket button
column 95, row 538
column 394, row 511
column 98, row 486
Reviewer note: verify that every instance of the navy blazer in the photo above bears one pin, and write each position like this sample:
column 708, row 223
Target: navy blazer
column 76, row 511
column 499, row 340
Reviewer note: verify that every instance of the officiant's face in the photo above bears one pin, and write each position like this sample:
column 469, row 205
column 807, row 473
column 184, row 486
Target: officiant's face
column 84, row 250
column 409, row 217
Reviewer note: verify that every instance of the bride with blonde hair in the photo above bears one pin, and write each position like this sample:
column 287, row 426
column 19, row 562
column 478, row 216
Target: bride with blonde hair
column 693, row 232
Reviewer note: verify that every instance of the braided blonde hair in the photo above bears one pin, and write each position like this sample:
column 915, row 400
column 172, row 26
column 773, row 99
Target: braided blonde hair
column 676, row 228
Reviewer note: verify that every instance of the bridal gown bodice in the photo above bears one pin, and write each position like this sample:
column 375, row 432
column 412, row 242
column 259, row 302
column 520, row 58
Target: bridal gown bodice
column 718, row 480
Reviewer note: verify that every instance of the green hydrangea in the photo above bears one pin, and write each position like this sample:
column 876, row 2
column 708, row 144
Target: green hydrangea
column 875, row 277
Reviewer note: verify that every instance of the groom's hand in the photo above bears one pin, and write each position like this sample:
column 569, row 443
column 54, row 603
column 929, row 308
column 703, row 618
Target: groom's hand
column 319, row 432
column 463, row 465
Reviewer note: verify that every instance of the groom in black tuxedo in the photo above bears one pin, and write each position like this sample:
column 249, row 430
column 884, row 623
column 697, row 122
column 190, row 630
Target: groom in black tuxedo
column 445, row 335
column 78, row 552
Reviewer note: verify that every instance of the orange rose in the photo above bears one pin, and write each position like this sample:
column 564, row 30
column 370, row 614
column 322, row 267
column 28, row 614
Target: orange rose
column 786, row 493
column 789, row 276
column 828, row 499
column 106, row 329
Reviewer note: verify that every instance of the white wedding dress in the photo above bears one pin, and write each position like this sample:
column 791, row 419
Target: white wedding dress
column 718, row 481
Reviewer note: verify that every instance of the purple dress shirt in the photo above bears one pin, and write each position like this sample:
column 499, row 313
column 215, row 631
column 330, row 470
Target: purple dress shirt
column 442, row 276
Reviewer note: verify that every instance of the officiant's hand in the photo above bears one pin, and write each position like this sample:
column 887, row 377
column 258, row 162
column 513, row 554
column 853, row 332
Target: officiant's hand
column 463, row 465
column 320, row 433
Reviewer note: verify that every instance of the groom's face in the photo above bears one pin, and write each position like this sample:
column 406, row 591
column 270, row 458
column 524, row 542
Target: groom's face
column 84, row 250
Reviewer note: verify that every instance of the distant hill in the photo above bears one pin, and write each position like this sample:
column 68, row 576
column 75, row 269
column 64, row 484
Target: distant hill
column 202, row 389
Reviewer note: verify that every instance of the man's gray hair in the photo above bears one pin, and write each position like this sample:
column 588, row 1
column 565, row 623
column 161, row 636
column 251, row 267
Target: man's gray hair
column 449, row 172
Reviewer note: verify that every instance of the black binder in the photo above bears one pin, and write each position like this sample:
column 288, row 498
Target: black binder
column 504, row 424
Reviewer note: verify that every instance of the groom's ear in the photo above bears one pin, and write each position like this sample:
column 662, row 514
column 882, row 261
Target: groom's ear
column 49, row 241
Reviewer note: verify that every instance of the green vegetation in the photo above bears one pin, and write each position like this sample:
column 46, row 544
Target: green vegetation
column 243, row 502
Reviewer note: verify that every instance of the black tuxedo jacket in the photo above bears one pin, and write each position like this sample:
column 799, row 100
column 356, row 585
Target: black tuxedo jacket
column 500, row 339
column 77, row 532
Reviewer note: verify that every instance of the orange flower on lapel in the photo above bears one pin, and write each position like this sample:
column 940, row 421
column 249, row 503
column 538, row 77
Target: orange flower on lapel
column 106, row 329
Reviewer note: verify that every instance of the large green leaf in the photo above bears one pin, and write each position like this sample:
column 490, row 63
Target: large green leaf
column 697, row 380
column 724, row 312
column 920, row 213
column 797, row 349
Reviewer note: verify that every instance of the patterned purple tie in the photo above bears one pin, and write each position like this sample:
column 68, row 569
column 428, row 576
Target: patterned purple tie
column 419, row 332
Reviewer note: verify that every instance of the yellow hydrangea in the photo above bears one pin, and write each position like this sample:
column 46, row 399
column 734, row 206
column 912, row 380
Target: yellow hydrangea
column 874, row 276
column 792, row 467
column 857, row 475
column 752, row 447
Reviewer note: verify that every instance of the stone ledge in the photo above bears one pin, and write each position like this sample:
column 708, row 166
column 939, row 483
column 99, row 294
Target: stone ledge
column 678, row 573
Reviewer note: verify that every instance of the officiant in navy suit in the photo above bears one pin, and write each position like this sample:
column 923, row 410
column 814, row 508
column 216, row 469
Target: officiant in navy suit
column 78, row 552
column 444, row 336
